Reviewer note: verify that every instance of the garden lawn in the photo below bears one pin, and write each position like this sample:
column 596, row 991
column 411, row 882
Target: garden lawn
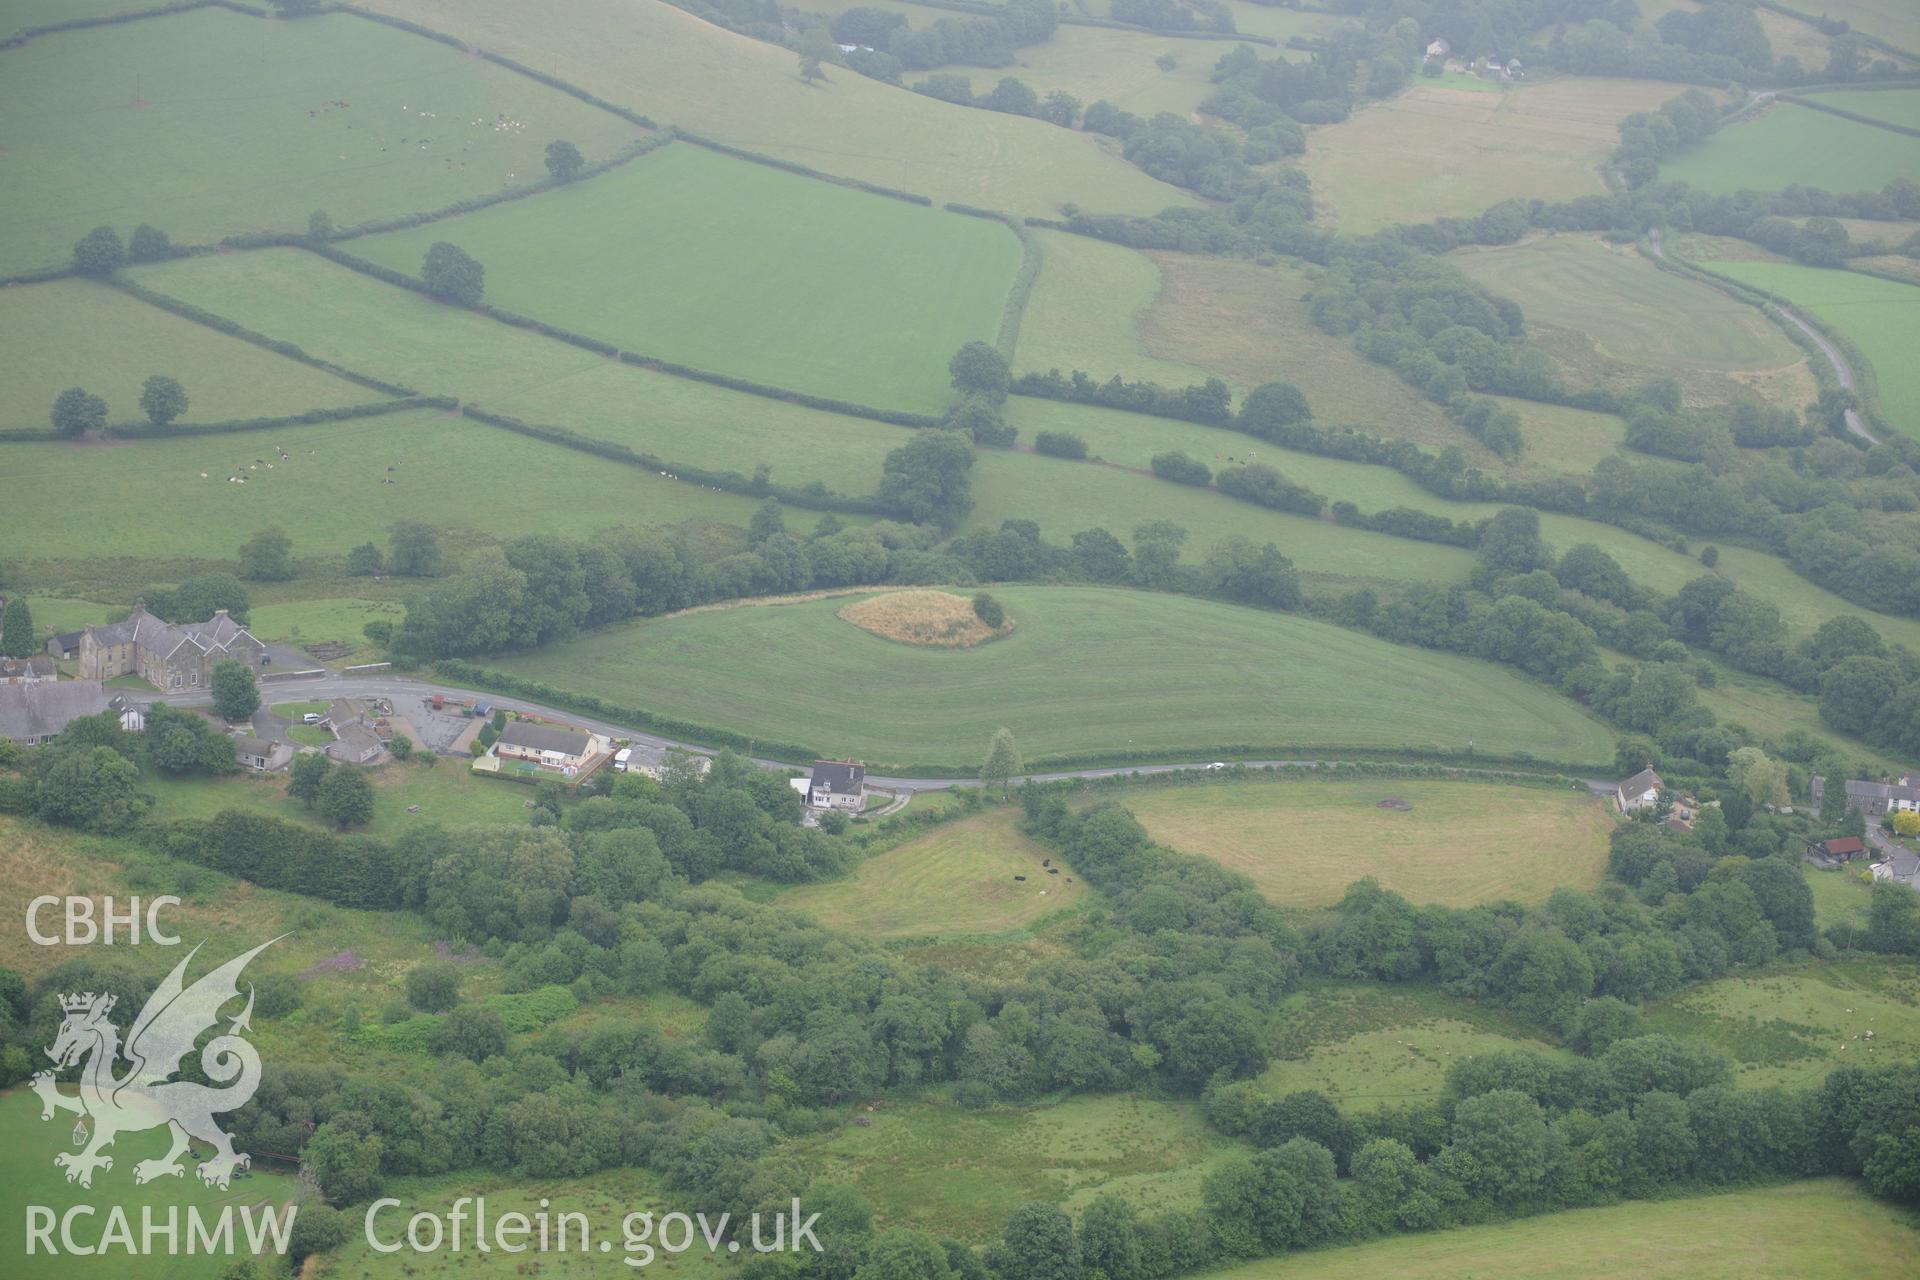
column 957, row 1174
column 1433, row 152
column 69, row 333
column 330, row 494
column 1881, row 317
column 1369, row 1045
column 395, row 334
column 1829, row 1229
column 740, row 268
column 958, row 878
column 680, row 70
column 1458, row 844
column 1085, row 670
column 1787, row 144
column 1614, row 319
column 1791, row 1026
column 211, row 123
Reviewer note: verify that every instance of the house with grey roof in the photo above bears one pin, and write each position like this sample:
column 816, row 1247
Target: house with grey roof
column 1902, row 866
column 64, row 645
column 34, row 712
column 547, row 745
column 1875, row 799
column 355, row 739
column 172, row 657
column 262, row 755
column 1641, row 791
column 838, row 784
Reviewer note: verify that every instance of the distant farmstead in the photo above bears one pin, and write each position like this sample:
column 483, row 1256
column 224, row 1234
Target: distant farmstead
column 166, row 655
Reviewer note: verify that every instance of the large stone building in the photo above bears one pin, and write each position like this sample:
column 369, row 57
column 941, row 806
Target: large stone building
column 171, row 657
column 1875, row 799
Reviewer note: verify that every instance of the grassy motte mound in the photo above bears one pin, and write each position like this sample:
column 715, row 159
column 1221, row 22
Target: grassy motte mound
column 934, row 619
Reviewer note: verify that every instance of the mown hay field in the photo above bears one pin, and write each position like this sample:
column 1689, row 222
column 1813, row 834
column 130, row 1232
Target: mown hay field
column 1791, row 1026
column 957, row 879
column 1369, row 1045
column 210, row 123
column 1449, row 152
column 1613, row 319
column 1087, row 670
column 930, row 1165
column 331, row 492
column 1827, row 1229
column 1882, row 317
column 680, row 70
column 69, row 333
column 1454, row 843
column 398, row 335
column 741, row 268
column 1787, row 144
column 1085, row 311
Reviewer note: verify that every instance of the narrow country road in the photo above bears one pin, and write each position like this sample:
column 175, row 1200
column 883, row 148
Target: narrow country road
column 410, row 695
column 1841, row 368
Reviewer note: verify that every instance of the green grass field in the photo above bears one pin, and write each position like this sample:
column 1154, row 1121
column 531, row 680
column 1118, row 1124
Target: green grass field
column 457, row 475
column 743, row 269
column 449, row 794
column 1460, row 843
column 1564, row 439
column 956, row 879
column 16, row 15
column 1895, row 105
column 1827, row 1229
column 1613, row 319
column 1013, row 486
column 1791, row 1026
column 362, row 324
column 1431, row 152
column 27, row 1148
column 1085, row 311
column 1791, row 144
column 302, row 622
column 1370, row 1045
column 1882, row 318
column 1086, row 669
column 210, row 123
column 76, row 333
column 957, row 1174
column 1840, row 897
column 681, row 70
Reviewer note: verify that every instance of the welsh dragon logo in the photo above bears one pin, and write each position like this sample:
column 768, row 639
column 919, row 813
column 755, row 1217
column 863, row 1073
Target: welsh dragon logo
column 145, row 1096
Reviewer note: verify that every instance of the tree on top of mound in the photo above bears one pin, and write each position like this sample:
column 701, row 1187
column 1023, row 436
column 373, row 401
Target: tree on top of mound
column 451, row 273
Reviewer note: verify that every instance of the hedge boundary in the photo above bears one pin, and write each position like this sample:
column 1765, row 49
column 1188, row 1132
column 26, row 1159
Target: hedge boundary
column 500, row 60
column 1816, row 105
column 151, row 431
column 977, row 10
column 494, row 681
column 233, row 329
column 804, row 171
column 25, row 34
column 1014, row 310
column 728, row 481
column 1814, row 22
column 1315, row 771
column 899, row 418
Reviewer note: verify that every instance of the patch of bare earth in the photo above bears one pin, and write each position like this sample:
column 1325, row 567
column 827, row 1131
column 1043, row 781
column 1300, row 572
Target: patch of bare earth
column 931, row 619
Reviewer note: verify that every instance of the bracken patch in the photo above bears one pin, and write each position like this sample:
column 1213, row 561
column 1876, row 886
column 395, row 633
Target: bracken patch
column 932, row 619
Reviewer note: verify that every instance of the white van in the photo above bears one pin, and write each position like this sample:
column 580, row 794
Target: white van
column 621, row 758
column 311, row 717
